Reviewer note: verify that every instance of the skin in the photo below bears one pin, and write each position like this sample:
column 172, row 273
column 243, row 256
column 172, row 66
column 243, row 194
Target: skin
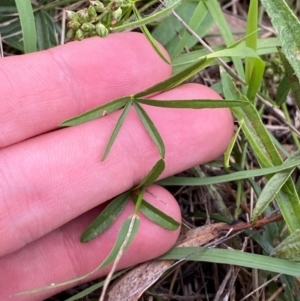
column 52, row 182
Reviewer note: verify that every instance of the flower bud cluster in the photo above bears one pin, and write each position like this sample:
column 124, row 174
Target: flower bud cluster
column 94, row 20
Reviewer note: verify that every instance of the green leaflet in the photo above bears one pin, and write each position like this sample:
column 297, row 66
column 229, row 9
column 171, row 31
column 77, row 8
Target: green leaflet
column 106, row 218
column 97, row 112
column 152, row 175
column 157, row 216
column 151, row 129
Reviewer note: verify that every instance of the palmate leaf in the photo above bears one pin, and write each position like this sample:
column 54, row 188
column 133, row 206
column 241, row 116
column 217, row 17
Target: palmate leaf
column 155, row 215
column 151, row 129
column 106, row 218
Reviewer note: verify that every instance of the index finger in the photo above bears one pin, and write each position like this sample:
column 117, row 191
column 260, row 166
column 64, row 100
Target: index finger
column 40, row 90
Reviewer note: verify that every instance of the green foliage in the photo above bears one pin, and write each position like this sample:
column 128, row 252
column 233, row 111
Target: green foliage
column 287, row 26
column 180, row 26
column 106, row 218
column 28, row 25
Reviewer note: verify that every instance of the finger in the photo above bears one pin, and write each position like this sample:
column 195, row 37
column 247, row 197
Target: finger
column 60, row 256
column 61, row 175
column 40, row 90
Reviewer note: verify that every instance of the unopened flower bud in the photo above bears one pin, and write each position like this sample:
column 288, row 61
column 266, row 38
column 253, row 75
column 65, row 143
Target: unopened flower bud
column 87, row 27
column 92, row 13
column 83, row 16
column 116, row 16
column 71, row 34
column 99, row 6
column 71, row 16
column 73, row 25
column 101, row 30
column 79, row 35
column 112, row 6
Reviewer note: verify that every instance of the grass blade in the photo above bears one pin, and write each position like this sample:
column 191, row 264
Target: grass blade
column 151, row 129
column 239, row 175
column 251, row 39
column 194, row 22
column 106, row 218
column 273, row 186
column 149, row 37
column 256, row 78
column 97, row 112
column 42, row 27
column 117, row 129
column 157, row 216
column 231, row 145
column 28, row 25
column 214, row 8
column 269, row 192
column 265, row 46
column 236, row 258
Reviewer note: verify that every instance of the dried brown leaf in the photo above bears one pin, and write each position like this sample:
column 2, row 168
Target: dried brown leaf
column 131, row 286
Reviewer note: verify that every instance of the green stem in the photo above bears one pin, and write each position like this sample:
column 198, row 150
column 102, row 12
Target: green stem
column 139, row 200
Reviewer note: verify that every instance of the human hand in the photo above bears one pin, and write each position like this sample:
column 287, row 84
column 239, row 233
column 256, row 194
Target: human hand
column 52, row 181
